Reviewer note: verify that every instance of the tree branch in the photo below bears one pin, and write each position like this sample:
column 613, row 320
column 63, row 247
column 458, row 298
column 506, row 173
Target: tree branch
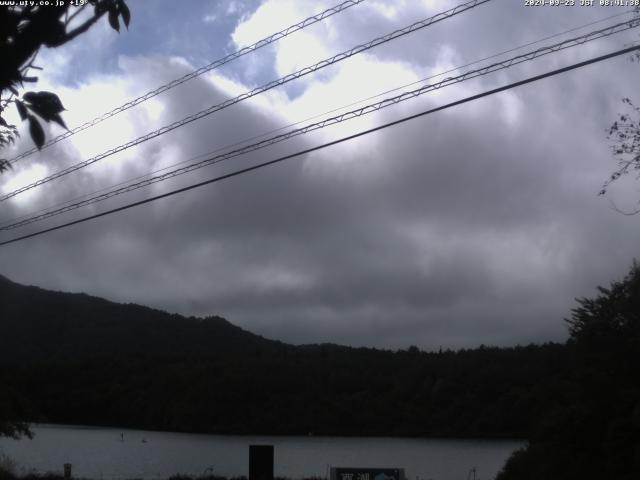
column 622, row 212
column 84, row 27
column 78, row 10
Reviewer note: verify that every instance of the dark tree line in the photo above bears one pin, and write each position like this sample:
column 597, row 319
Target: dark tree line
column 326, row 390
column 72, row 358
column 80, row 359
column 592, row 431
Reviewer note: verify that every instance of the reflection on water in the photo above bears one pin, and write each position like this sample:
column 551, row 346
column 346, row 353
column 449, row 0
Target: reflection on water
column 112, row 453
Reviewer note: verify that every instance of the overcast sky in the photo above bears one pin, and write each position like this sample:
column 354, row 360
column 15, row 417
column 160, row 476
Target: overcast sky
column 475, row 225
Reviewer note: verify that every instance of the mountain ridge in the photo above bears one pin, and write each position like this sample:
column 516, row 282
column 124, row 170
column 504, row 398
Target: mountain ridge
column 40, row 323
column 78, row 359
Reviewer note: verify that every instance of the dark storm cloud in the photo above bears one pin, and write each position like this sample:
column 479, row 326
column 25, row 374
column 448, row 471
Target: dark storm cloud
column 474, row 225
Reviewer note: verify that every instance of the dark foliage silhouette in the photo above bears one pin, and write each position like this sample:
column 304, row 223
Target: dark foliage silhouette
column 592, row 429
column 625, row 137
column 24, row 30
column 79, row 359
column 72, row 358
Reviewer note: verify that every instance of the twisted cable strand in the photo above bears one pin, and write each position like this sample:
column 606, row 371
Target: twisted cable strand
column 268, row 86
column 196, row 73
column 573, row 42
column 324, row 145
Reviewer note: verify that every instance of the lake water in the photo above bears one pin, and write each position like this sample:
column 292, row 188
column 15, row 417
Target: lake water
column 107, row 453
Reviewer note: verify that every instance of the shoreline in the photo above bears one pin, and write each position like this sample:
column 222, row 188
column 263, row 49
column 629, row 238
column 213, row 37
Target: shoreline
column 488, row 438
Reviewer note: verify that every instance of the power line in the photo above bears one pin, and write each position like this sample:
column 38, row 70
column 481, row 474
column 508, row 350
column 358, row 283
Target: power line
column 268, row 86
column 475, row 62
column 569, row 43
column 196, row 73
column 328, row 144
column 330, row 121
column 8, row 223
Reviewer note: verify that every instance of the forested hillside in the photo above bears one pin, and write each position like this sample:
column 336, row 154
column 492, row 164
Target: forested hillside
column 67, row 358
column 72, row 358
column 44, row 326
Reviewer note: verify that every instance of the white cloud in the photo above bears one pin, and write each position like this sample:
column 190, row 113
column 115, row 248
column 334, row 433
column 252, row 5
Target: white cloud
column 388, row 10
column 210, row 19
column 21, row 177
column 269, row 18
column 232, row 8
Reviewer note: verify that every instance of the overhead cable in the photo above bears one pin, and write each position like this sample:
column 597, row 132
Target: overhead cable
column 268, row 86
column 196, row 73
column 605, row 32
column 328, row 144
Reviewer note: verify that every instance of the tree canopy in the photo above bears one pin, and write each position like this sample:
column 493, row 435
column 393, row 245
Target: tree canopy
column 25, row 29
column 612, row 316
column 592, row 429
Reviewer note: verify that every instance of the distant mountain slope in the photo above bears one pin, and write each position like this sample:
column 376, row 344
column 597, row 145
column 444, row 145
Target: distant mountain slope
column 73, row 358
column 39, row 325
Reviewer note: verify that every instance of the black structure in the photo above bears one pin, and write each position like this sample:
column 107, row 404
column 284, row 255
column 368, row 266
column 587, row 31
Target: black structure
column 260, row 462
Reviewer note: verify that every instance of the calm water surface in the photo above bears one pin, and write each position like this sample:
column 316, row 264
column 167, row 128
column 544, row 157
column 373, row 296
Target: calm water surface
column 99, row 453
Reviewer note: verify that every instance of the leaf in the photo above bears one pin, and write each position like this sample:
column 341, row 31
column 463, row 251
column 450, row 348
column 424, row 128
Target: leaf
column 22, row 110
column 48, row 101
column 47, row 105
column 40, row 111
column 113, row 20
column 124, row 13
column 36, row 131
column 30, row 97
column 4, row 165
column 58, row 119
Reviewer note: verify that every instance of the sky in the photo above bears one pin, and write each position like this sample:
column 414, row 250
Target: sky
column 478, row 224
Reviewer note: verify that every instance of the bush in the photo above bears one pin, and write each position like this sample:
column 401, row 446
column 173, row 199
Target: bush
column 8, row 468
